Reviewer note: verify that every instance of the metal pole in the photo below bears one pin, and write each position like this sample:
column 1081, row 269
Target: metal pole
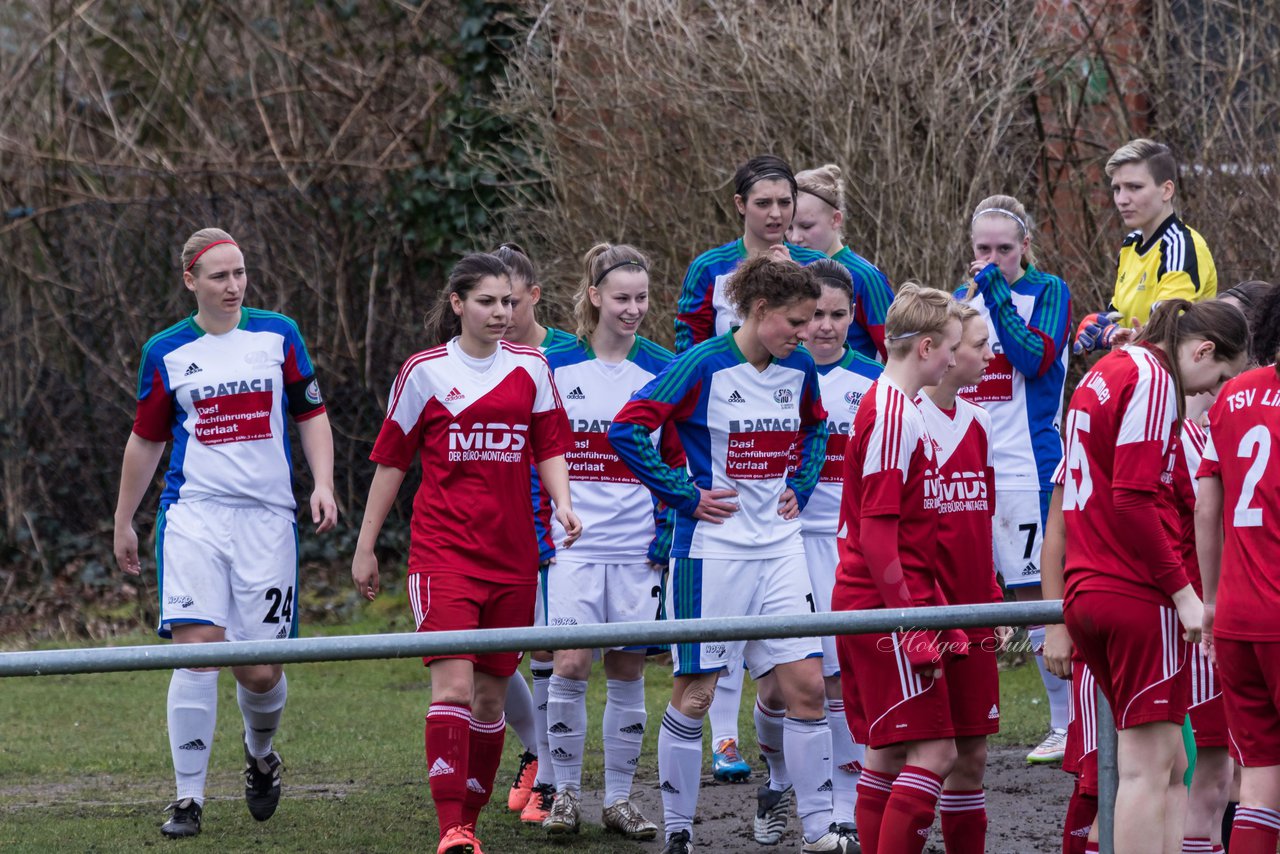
column 1108, row 775
column 410, row 645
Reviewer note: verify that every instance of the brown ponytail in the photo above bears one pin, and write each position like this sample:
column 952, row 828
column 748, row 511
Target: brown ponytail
column 1176, row 320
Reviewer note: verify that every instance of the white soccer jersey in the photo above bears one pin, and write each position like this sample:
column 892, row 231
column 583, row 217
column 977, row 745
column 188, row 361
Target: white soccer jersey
column 617, row 511
column 222, row 400
column 843, row 384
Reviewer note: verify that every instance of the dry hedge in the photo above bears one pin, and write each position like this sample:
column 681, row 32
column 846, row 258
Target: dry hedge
column 321, row 134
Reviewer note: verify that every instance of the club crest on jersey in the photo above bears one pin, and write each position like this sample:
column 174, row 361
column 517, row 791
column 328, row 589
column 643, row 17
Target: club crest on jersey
column 783, row 397
column 313, row 393
column 492, row 442
column 854, row 399
column 256, row 357
column 233, row 387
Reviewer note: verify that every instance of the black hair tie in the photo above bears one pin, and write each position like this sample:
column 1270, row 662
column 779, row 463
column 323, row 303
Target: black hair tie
column 608, row 270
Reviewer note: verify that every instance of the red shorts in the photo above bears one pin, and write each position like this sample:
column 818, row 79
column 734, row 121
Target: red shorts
column 976, row 709
column 1250, row 673
column 1136, row 653
column 1207, row 712
column 1081, row 757
column 448, row 601
column 883, row 699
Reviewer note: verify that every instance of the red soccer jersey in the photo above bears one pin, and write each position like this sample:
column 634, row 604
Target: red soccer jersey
column 966, row 502
column 473, row 430
column 1119, row 435
column 1178, row 505
column 1244, row 450
column 888, row 471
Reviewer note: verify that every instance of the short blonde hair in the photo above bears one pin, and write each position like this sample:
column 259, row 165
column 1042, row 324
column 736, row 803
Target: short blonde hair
column 1156, row 155
column 918, row 310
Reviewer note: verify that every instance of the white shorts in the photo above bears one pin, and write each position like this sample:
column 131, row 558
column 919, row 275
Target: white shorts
column 1017, row 533
column 228, row 566
column 574, row 593
column 822, row 558
column 742, row 587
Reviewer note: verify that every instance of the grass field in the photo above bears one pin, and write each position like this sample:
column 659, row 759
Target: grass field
column 84, row 761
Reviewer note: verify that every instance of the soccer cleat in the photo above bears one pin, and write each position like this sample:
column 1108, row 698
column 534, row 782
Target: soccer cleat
column 623, row 817
column 185, row 820
column 837, row 840
column 727, row 764
column 539, row 804
column 525, row 776
column 1052, row 749
column 678, row 843
column 262, row 784
column 459, row 839
column 771, row 815
column 565, row 815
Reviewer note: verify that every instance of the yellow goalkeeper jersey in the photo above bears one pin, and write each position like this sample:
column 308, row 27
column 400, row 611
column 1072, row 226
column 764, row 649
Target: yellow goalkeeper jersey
column 1174, row 262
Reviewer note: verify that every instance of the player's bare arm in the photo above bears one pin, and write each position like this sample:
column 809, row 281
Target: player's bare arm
column 1209, row 499
column 317, row 447
column 141, row 457
column 554, row 474
column 382, row 494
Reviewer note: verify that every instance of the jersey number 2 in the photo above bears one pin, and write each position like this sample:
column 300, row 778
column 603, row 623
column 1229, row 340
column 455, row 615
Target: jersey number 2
column 1076, row 492
column 1255, row 444
column 281, row 605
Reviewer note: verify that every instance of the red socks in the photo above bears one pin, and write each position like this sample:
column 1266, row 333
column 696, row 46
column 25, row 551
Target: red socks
column 1081, row 811
column 1255, row 830
column 964, row 821
column 910, row 811
column 448, row 734
column 874, row 789
column 482, row 765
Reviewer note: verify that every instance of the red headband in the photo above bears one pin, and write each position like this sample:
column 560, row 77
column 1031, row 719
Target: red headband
column 206, row 249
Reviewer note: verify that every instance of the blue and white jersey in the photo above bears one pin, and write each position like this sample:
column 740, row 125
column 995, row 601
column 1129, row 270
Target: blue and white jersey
column 222, row 400
column 843, row 385
column 621, row 520
column 1022, row 386
column 756, row 432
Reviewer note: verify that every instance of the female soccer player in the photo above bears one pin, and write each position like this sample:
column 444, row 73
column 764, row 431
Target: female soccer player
column 1238, row 548
column 962, row 437
column 765, row 197
column 819, row 224
column 1126, row 589
column 844, row 376
column 740, row 403
column 219, row 384
column 895, row 693
column 614, row 573
column 476, row 409
column 1161, row 258
column 1028, row 314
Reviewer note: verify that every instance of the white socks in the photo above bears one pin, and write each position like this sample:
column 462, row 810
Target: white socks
column 567, row 730
column 624, row 720
column 193, row 713
column 541, row 672
column 807, row 744
column 261, row 715
column 679, row 769
column 725, row 706
column 1059, row 690
column 769, row 736
column 846, row 764
column 519, row 711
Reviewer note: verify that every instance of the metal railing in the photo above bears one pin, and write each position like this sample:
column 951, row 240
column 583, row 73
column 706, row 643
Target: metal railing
column 413, row 645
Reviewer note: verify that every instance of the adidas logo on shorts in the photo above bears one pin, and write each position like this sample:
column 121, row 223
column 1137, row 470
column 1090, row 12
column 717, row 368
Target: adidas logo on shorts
column 1030, row 569
column 440, row 767
column 924, row 832
column 192, row 368
column 736, row 398
column 560, row 753
column 994, row 714
column 634, row 729
column 283, row 633
column 193, row 744
column 454, row 395
column 825, row 787
column 559, row 728
column 668, row 788
column 576, row 394
column 473, row 785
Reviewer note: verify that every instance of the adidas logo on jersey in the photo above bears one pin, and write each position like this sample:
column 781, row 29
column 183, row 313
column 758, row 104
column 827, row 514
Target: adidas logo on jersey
column 440, row 767
column 735, row 397
column 559, row 728
column 454, row 395
column 560, row 753
column 994, row 714
column 576, row 394
column 668, row 788
column 634, row 729
column 825, row 787
column 192, row 368
column 193, row 744
column 473, row 785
